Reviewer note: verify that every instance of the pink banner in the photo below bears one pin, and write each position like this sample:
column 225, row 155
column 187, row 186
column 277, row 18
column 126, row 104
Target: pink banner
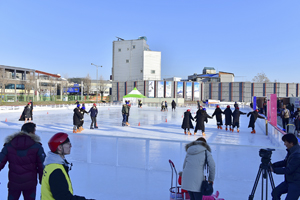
column 272, row 109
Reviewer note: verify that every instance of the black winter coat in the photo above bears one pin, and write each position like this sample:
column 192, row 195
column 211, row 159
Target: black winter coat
column 290, row 166
column 228, row 116
column 173, row 104
column 218, row 112
column 297, row 120
column 254, row 115
column 236, row 118
column 28, row 112
column 77, row 117
column 201, row 117
column 187, row 120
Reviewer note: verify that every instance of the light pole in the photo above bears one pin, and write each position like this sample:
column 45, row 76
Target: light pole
column 96, row 81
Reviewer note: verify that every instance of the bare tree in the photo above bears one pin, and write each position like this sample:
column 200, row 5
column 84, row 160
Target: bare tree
column 87, row 83
column 102, row 86
column 29, row 83
column 261, row 78
column 3, row 81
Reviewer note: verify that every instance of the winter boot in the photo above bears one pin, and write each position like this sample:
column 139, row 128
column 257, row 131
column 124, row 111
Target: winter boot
column 252, row 131
column 96, row 127
column 127, row 124
column 226, row 128
column 203, row 134
column 195, row 133
column 221, row 127
column 238, row 130
column 74, row 131
column 218, row 127
column 231, row 129
column 189, row 133
column 185, row 132
column 91, row 127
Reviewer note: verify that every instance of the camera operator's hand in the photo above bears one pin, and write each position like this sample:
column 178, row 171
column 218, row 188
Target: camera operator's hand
column 270, row 164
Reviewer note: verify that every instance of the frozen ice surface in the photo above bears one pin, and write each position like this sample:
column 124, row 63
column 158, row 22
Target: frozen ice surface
column 115, row 162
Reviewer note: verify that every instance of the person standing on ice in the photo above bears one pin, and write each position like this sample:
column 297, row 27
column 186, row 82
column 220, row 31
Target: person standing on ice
column 56, row 182
column 218, row 112
column 82, row 111
column 77, row 116
column 162, row 106
column 166, row 105
column 173, row 105
column 236, row 119
column 124, row 113
column 187, row 121
column 228, row 118
column 27, row 113
column 94, row 112
column 25, row 155
column 254, row 115
column 193, row 167
column 201, row 117
column 128, row 106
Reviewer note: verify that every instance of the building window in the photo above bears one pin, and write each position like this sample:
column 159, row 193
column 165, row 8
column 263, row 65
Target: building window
column 20, row 86
column 127, row 61
column 119, row 50
column 133, row 46
column 152, row 71
column 10, row 86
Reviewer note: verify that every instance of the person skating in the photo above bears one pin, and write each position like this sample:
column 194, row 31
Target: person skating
column 236, row 119
column 129, row 106
column 77, row 116
column 82, row 111
column 187, row 122
column 166, row 106
column 162, row 106
column 25, row 155
column 94, row 112
column 218, row 112
column 201, row 117
column 236, row 105
column 124, row 113
column 228, row 118
column 198, row 104
column 254, row 115
column 173, row 105
column 27, row 113
column 56, row 182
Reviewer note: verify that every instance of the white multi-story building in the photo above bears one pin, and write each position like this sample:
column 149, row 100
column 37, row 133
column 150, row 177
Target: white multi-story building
column 133, row 61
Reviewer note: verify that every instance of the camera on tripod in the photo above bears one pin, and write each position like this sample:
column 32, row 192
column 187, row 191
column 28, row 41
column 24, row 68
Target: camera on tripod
column 266, row 153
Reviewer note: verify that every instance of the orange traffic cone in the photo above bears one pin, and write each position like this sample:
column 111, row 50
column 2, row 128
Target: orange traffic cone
column 47, row 113
column 166, row 120
column 139, row 123
column 6, row 120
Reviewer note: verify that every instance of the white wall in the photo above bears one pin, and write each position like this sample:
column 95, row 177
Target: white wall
column 152, row 61
column 226, row 78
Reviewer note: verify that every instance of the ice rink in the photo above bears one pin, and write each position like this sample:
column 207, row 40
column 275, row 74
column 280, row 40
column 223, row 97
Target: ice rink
column 125, row 163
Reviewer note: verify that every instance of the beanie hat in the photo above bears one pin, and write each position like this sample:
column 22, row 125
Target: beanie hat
column 204, row 109
column 218, row 106
column 188, row 110
column 228, row 106
column 94, row 105
column 78, row 105
column 83, row 107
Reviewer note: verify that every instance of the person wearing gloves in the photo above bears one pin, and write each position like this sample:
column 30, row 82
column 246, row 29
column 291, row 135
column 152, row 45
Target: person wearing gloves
column 56, row 182
column 193, row 167
column 25, row 155
column 94, row 112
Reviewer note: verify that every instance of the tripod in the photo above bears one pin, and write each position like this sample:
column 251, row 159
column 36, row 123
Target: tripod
column 264, row 168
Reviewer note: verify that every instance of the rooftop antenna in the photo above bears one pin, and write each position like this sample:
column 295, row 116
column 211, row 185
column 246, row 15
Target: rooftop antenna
column 119, row 38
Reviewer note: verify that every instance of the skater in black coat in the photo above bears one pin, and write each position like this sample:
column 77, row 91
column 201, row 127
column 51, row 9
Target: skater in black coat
column 235, row 105
column 236, row 118
column 187, row 121
column 82, row 111
column 228, row 118
column 201, row 117
column 173, row 105
column 218, row 112
column 77, row 116
column 254, row 115
column 27, row 113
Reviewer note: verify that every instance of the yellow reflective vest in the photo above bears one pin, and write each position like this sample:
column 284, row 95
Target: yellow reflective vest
column 45, row 189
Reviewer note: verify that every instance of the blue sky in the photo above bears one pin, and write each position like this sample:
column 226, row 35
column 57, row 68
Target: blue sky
column 242, row 37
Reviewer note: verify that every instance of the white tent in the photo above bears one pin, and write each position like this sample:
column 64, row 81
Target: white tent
column 133, row 96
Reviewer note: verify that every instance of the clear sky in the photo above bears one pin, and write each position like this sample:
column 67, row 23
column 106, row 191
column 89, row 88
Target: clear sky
column 244, row 37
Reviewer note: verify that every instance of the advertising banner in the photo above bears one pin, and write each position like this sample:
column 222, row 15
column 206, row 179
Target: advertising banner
column 188, row 90
column 168, row 89
column 151, row 89
column 160, row 89
column 179, row 89
column 196, row 91
column 272, row 109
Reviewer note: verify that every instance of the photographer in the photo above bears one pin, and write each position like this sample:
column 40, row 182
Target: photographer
column 290, row 167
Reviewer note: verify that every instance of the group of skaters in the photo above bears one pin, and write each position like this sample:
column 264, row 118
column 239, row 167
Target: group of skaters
column 29, row 165
column 232, row 119
column 164, row 106
column 125, row 113
column 287, row 115
column 78, row 117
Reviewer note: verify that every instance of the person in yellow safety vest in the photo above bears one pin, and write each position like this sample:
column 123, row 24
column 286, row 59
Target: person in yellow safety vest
column 56, row 183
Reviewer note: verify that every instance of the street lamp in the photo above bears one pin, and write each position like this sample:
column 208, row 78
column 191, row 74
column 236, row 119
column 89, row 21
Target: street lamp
column 96, row 81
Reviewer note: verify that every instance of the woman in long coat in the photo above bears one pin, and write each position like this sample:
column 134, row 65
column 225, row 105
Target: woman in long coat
column 187, row 121
column 236, row 118
column 218, row 112
column 253, row 118
column 193, row 167
column 201, row 117
column 27, row 113
column 77, row 119
column 228, row 118
column 173, row 105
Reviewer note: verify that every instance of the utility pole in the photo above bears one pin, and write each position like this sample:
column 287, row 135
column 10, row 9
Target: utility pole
column 96, row 81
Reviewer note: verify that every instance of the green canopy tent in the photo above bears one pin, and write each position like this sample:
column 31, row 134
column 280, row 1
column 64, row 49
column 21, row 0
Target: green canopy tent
column 133, row 95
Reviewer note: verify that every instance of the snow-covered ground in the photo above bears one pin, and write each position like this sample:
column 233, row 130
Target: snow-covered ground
column 115, row 162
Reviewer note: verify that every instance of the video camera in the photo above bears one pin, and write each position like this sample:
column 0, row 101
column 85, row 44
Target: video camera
column 265, row 155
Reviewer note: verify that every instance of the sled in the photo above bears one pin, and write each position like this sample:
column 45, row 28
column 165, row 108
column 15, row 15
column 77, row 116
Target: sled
column 175, row 191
